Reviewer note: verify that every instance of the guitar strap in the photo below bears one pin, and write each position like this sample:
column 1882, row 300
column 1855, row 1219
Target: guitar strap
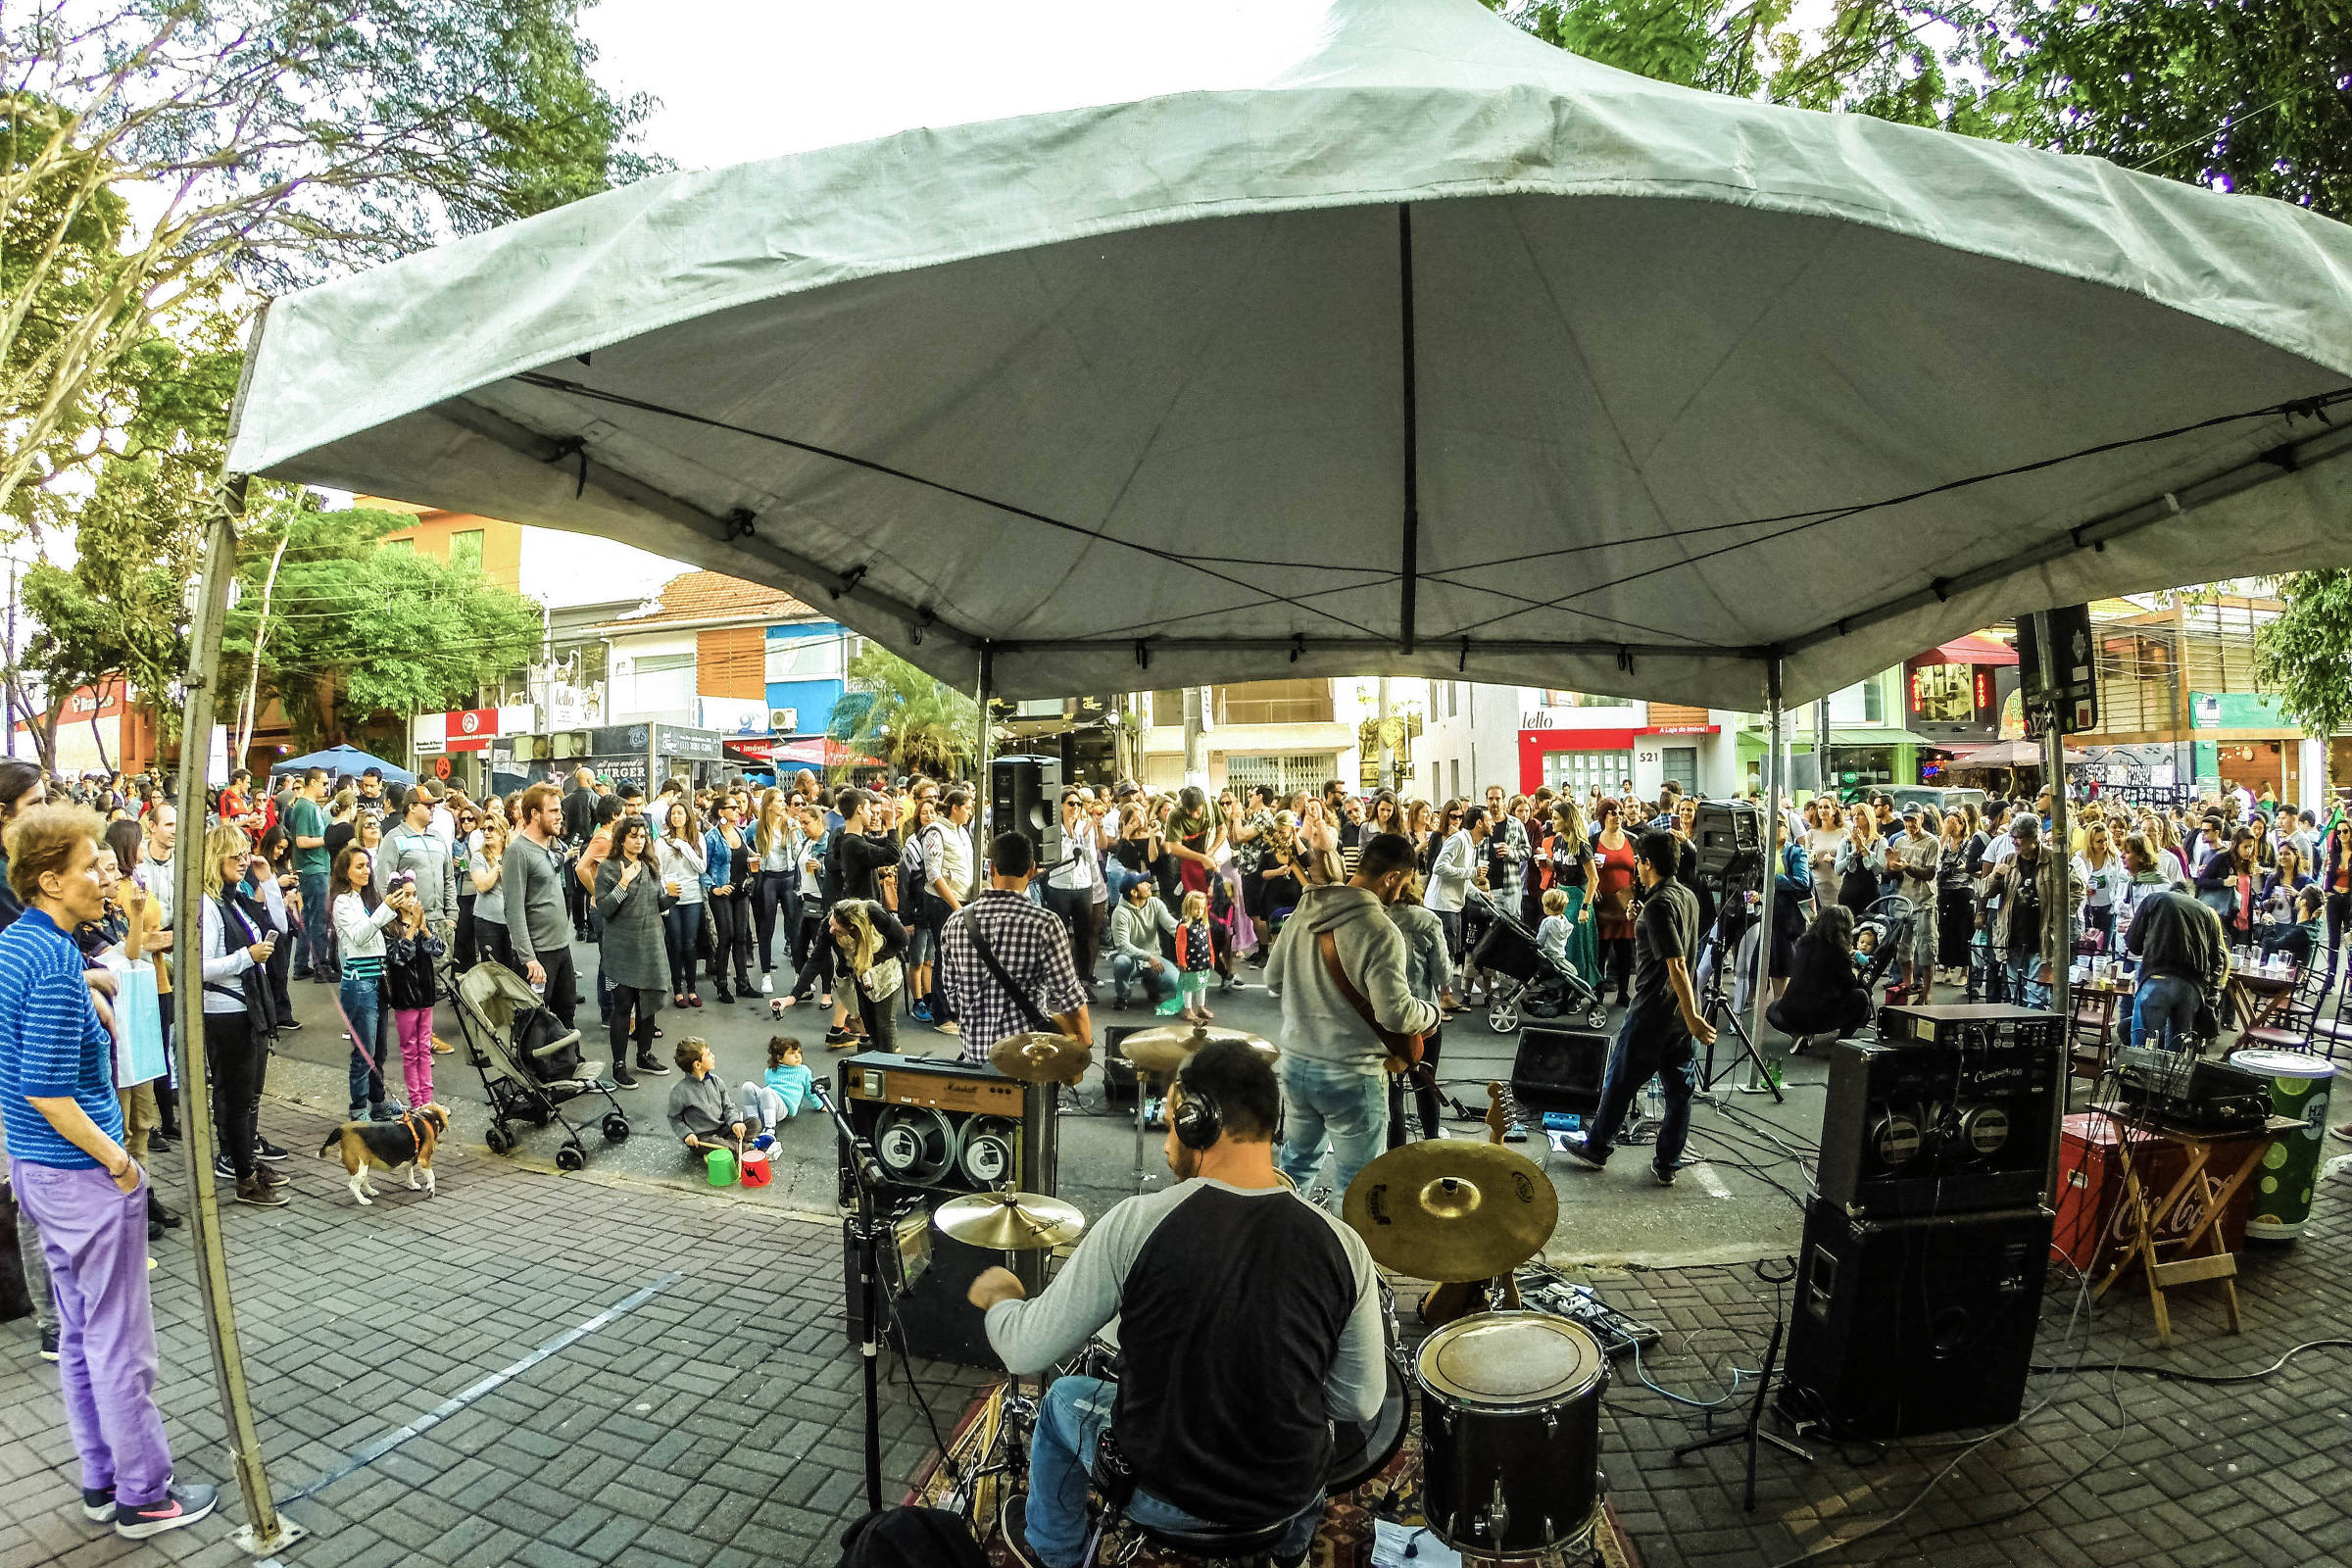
column 1405, row 1051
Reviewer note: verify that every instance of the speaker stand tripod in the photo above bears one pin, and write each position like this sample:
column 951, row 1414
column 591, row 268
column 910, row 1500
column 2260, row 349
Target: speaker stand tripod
column 1716, row 1008
column 1751, row 1431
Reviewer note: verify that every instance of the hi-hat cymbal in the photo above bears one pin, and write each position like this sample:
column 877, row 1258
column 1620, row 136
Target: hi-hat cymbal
column 1041, row 1058
column 1010, row 1222
column 1162, row 1048
column 1444, row 1209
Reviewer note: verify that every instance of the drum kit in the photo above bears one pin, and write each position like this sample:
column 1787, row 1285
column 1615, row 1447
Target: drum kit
column 1510, row 1399
column 1159, row 1052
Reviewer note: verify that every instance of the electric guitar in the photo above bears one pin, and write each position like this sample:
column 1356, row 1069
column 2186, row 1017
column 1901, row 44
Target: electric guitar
column 1455, row 1298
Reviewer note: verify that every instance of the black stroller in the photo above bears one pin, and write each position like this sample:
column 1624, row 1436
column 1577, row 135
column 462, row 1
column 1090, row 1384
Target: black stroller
column 1527, row 982
column 529, row 1063
column 1890, row 923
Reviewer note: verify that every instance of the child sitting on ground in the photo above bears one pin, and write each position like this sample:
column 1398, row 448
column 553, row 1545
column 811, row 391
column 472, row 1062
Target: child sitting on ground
column 787, row 1087
column 699, row 1111
column 1196, row 957
column 1551, row 937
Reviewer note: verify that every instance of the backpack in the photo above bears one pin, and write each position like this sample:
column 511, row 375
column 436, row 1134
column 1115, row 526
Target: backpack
column 911, row 1538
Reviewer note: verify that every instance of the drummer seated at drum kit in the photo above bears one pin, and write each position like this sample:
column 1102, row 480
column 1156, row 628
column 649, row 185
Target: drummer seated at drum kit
column 1249, row 1321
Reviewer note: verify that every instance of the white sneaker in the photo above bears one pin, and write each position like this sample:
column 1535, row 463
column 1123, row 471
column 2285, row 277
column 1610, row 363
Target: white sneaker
column 767, row 985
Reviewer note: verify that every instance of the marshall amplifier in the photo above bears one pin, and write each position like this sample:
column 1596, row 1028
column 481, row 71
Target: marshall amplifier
column 941, row 1128
column 1942, row 1127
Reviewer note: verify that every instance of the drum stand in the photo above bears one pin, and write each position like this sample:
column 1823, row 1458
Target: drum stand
column 1751, row 1431
column 1144, row 1176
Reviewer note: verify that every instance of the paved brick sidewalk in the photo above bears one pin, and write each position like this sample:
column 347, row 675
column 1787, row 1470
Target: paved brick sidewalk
column 717, row 1421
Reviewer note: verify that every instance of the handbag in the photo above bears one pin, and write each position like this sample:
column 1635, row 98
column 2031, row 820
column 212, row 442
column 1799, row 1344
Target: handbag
column 138, row 1022
column 881, row 982
column 1405, row 1051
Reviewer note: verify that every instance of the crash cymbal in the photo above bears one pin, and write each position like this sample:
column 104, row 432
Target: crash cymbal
column 1041, row 1058
column 1162, row 1048
column 1443, row 1209
column 1010, row 1222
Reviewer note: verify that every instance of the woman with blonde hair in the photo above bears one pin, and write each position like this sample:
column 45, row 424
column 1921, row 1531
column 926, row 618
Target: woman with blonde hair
column 871, row 948
column 232, row 944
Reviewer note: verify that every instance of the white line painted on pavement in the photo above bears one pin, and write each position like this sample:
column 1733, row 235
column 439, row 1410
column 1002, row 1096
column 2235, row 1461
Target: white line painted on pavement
column 1708, row 1179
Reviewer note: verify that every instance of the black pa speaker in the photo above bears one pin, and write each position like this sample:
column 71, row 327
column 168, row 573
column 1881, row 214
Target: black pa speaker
column 1915, row 1325
column 1024, row 796
column 1730, row 835
column 1560, row 1070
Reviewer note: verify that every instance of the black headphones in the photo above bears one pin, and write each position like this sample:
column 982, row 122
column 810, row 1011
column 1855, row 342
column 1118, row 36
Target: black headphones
column 1196, row 1120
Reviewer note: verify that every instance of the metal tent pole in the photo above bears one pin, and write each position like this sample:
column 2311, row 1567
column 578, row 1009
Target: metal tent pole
column 2058, row 939
column 1769, row 831
column 265, row 1532
column 983, row 691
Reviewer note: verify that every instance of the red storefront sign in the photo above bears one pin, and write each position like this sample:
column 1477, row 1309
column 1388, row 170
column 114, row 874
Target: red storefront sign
column 470, row 729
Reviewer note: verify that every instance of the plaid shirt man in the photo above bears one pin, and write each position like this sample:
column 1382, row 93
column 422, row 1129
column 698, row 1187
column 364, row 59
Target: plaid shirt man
column 1030, row 943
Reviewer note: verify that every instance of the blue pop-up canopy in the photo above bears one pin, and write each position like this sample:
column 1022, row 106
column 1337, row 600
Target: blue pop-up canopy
column 345, row 762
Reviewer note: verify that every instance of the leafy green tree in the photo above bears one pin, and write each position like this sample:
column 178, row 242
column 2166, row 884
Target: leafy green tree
column 276, row 142
column 2241, row 96
column 357, row 630
column 2304, row 658
column 897, row 713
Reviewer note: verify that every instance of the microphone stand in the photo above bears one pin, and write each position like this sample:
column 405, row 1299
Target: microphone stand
column 863, row 1231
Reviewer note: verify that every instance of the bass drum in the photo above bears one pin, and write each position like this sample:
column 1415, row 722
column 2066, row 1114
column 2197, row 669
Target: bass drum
column 1510, row 1432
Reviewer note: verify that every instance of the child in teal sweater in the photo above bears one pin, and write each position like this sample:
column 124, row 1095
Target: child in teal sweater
column 780, row 1093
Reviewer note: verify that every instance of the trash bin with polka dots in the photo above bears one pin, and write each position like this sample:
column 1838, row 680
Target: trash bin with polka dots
column 2290, row 1167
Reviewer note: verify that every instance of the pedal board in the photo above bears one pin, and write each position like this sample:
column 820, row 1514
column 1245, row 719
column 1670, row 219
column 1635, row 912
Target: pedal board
column 1581, row 1305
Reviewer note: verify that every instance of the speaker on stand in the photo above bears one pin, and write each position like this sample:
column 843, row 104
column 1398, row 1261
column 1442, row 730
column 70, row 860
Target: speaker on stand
column 1025, row 797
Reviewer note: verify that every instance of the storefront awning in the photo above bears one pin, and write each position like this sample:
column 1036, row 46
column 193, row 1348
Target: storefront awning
column 1969, row 650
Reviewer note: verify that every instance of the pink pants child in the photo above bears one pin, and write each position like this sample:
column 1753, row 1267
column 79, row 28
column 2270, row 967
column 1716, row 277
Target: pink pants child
column 414, row 1026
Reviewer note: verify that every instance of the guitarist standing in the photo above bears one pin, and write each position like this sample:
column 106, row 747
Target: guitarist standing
column 1658, row 1028
column 1339, row 970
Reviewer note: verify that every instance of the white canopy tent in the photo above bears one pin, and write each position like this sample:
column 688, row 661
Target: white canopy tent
column 1369, row 335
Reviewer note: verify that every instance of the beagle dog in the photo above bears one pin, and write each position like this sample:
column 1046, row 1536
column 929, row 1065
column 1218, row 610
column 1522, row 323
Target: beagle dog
column 406, row 1140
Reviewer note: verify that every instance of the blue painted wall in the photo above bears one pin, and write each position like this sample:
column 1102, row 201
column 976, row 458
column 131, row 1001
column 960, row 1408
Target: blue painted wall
column 813, row 698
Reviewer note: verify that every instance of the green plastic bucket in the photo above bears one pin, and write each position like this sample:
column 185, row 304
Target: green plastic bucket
column 2291, row 1166
column 720, row 1164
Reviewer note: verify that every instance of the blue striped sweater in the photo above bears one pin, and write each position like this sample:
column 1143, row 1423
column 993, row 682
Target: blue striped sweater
column 52, row 1045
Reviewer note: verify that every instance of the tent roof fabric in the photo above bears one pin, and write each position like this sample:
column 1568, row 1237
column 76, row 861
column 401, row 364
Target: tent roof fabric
column 1112, row 392
column 344, row 762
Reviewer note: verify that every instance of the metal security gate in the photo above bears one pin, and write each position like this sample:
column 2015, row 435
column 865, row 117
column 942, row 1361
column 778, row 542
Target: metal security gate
column 1284, row 773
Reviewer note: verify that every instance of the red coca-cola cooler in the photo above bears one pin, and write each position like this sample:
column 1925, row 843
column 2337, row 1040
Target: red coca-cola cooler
column 2091, row 1229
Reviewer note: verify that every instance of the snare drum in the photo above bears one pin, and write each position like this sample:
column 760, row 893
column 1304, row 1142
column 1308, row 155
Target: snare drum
column 1359, row 1454
column 1510, row 1432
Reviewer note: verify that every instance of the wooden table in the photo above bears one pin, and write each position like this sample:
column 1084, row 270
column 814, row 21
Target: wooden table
column 2200, row 1255
column 2258, row 996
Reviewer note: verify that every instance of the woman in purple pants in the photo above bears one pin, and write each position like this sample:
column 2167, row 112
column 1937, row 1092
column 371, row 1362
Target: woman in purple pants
column 86, row 1194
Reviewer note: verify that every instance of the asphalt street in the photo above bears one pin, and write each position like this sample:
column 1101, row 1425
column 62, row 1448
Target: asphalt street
column 1733, row 1204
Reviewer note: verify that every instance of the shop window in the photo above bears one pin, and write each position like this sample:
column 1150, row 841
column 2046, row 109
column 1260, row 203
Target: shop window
column 465, row 549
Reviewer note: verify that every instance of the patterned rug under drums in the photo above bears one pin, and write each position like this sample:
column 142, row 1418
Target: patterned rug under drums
column 1344, row 1541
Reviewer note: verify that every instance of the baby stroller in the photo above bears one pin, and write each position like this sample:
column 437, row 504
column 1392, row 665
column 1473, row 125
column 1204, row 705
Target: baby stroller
column 1890, row 923
column 1527, row 982
column 529, row 1063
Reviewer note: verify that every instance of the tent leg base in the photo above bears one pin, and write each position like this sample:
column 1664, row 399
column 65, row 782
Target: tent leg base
column 253, row 1545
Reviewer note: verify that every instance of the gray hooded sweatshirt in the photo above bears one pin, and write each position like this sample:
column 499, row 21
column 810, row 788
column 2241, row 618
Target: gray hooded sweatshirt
column 1317, row 1023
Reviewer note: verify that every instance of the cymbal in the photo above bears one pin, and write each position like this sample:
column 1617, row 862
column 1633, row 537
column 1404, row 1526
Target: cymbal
column 1041, row 1058
column 1162, row 1048
column 1447, row 1209
column 1010, row 1222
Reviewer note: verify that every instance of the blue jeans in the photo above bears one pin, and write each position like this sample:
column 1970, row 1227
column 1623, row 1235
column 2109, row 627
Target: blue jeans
column 2025, row 989
column 364, row 1010
column 2164, row 1012
column 1347, row 1102
column 1126, row 969
column 1646, row 1047
column 1062, row 1456
column 318, row 951
column 681, row 925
